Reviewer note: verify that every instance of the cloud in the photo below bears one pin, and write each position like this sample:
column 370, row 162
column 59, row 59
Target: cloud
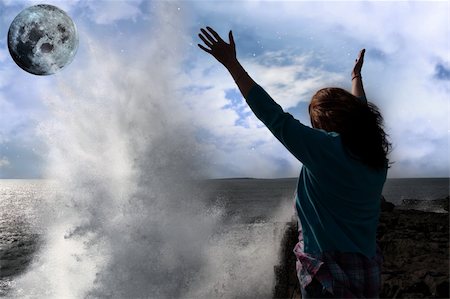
column 100, row 12
column 4, row 162
column 237, row 142
column 21, row 112
column 3, row 56
column 296, row 80
column 107, row 12
column 25, row 158
column 403, row 74
column 22, row 109
column 442, row 72
column 66, row 5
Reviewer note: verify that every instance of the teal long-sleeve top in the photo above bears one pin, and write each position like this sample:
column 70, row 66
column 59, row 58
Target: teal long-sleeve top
column 338, row 197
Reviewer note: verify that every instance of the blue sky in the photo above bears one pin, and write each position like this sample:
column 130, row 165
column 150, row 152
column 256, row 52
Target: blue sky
column 290, row 48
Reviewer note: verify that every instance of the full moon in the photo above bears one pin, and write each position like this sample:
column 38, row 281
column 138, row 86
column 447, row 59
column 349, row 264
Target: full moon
column 42, row 39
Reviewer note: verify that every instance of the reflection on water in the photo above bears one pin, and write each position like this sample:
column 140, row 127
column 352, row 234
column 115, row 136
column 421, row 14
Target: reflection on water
column 19, row 228
column 253, row 213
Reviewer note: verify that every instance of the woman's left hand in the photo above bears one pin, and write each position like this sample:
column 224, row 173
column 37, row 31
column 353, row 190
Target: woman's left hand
column 223, row 52
column 358, row 63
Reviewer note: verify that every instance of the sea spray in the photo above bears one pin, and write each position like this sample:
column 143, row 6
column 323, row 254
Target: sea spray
column 128, row 219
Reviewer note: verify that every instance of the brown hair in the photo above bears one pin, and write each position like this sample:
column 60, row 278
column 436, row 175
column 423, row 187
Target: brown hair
column 359, row 124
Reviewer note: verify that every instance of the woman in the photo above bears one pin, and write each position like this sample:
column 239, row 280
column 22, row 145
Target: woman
column 345, row 163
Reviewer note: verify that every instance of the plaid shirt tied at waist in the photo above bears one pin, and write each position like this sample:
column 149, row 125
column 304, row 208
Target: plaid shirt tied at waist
column 344, row 274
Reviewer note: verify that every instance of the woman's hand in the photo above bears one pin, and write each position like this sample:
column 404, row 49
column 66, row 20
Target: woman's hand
column 357, row 85
column 223, row 52
column 358, row 64
column 226, row 55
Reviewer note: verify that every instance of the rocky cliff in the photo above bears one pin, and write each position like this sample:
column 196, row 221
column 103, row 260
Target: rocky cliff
column 415, row 246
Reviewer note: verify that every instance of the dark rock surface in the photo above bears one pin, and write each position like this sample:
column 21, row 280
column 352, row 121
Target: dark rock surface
column 386, row 206
column 415, row 245
column 286, row 282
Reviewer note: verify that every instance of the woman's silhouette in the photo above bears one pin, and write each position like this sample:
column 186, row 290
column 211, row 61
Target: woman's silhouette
column 345, row 164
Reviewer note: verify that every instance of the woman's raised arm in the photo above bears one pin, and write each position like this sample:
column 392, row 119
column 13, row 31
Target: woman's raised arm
column 302, row 141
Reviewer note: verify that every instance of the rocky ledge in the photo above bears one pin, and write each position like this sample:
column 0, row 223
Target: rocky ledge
column 415, row 246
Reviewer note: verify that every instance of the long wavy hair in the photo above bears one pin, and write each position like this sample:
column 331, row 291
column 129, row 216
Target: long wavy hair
column 359, row 124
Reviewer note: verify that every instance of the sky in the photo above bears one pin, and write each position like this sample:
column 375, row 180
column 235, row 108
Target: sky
column 290, row 48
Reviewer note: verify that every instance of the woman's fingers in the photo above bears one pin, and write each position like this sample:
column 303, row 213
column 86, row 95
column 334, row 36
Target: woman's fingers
column 205, row 49
column 361, row 55
column 217, row 36
column 359, row 63
column 205, row 41
column 224, row 53
column 360, row 60
column 208, row 36
column 230, row 36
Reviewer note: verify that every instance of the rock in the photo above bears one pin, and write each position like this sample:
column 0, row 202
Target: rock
column 415, row 245
column 286, row 282
column 415, row 248
column 445, row 204
column 442, row 290
column 386, row 205
column 418, row 288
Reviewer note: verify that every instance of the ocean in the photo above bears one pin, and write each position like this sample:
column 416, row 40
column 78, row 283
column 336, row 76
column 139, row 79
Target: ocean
column 250, row 212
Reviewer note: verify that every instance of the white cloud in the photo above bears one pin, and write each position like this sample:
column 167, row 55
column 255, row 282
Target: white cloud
column 3, row 56
column 249, row 150
column 405, row 41
column 100, row 11
column 107, row 12
column 283, row 82
column 4, row 162
column 65, row 5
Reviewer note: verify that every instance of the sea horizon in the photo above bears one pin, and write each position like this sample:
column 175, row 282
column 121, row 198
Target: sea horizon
column 243, row 178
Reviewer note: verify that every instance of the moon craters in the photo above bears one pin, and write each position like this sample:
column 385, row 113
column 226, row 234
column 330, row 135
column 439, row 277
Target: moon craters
column 42, row 39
